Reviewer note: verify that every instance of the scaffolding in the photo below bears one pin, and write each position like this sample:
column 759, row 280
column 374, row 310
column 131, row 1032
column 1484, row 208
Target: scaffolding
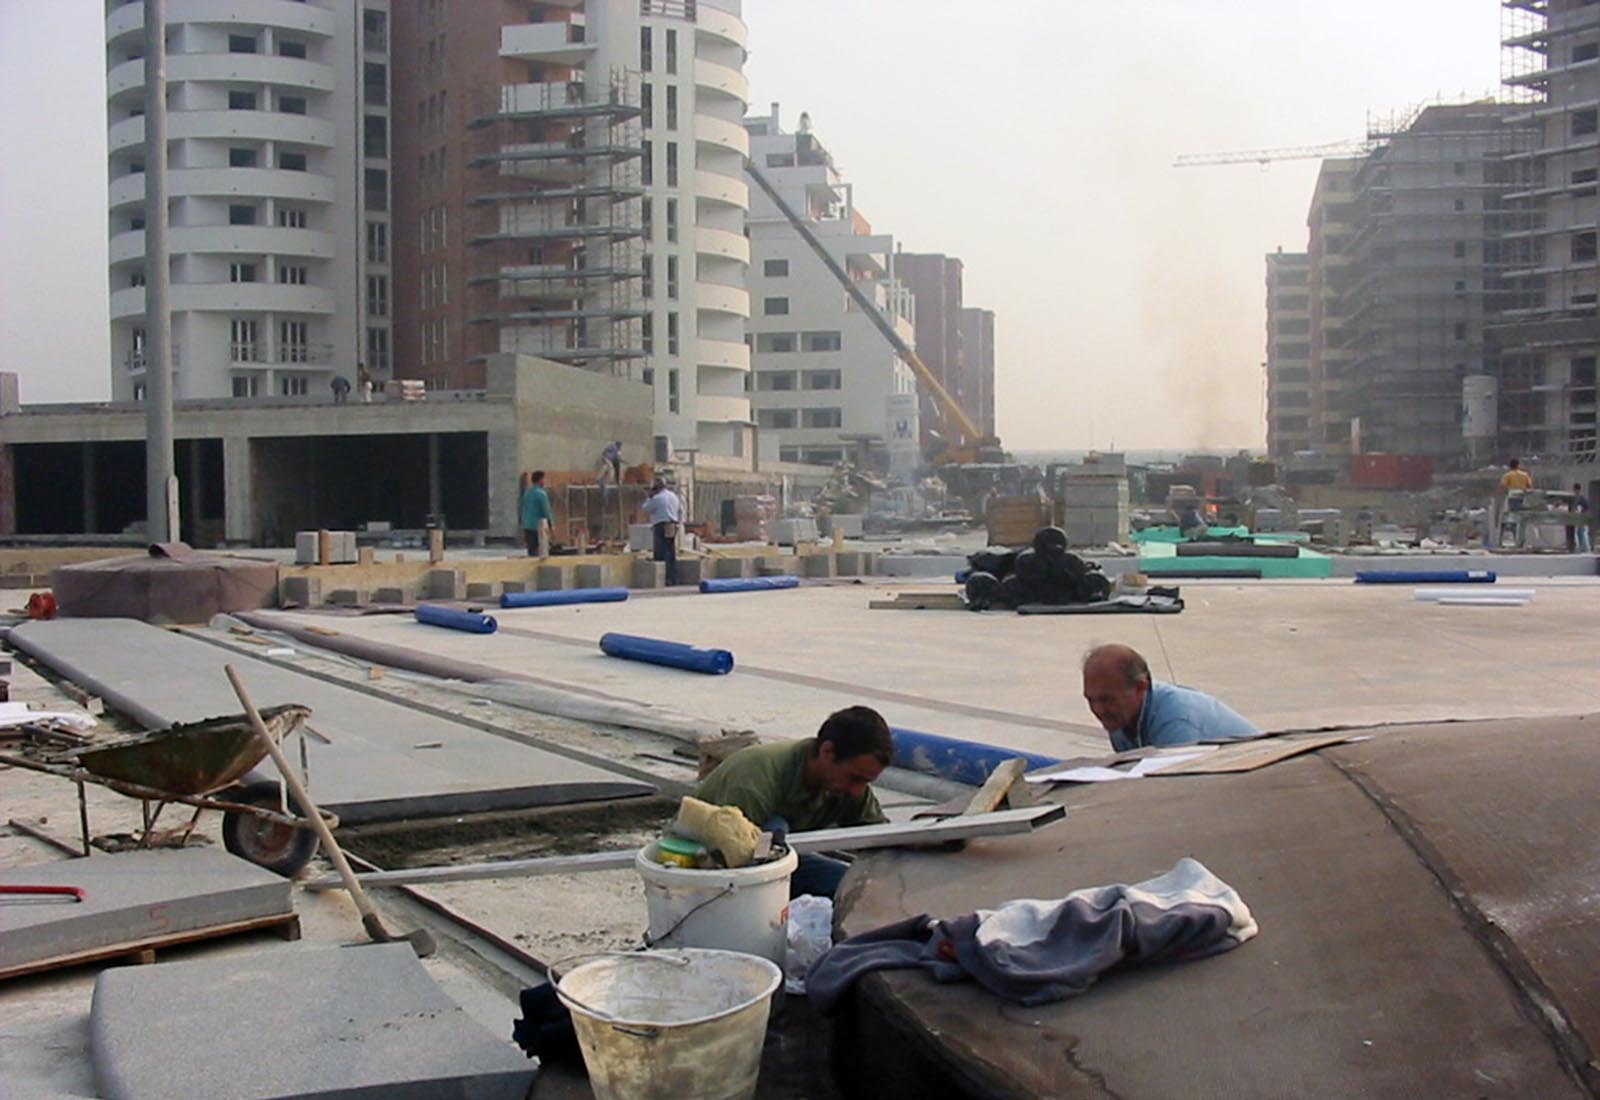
column 555, row 226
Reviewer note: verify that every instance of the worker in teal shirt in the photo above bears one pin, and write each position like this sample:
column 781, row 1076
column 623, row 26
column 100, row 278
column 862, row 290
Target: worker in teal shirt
column 1137, row 712
column 536, row 516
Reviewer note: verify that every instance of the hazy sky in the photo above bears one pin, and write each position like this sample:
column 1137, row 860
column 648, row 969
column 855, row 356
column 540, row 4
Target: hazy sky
column 1033, row 140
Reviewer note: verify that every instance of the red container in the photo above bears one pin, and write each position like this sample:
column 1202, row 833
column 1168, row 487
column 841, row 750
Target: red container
column 1386, row 471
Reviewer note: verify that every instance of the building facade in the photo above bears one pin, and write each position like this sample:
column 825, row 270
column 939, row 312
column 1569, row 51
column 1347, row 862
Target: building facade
column 977, row 349
column 1329, row 275
column 573, row 188
column 935, row 284
column 278, row 177
column 1546, row 339
column 825, row 378
column 1288, row 353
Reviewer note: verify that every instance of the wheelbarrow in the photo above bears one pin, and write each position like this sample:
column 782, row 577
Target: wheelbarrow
column 200, row 764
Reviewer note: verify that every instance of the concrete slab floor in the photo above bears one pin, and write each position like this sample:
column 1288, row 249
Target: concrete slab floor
column 1287, row 654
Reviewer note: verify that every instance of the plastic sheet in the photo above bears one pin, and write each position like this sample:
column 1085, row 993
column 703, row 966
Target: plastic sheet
column 556, row 598
column 473, row 622
column 656, row 651
column 748, row 584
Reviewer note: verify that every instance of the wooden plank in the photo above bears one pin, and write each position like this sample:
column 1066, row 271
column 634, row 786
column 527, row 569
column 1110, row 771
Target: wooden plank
column 286, row 925
column 851, row 839
column 921, row 601
column 996, row 787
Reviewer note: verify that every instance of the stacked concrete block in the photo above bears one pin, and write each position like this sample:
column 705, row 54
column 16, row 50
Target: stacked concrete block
column 735, row 567
column 512, row 587
column 589, row 576
column 1094, row 506
column 301, row 591
column 648, row 574
column 790, row 532
column 821, row 565
column 550, row 578
column 483, row 590
column 776, row 565
column 641, row 536
column 391, row 594
column 348, row 597
column 691, row 570
column 447, row 584
column 848, row 563
column 848, row 526
column 341, row 547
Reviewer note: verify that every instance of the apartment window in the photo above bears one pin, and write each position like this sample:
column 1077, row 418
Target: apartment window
column 246, row 386
column 672, row 390
column 775, row 269
column 1582, row 176
column 672, row 164
column 823, row 380
column 241, row 273
column 375, row 83
column 291, row 105
column 1460, row 204
column 1583, row 247
column 775, row 418
column 647, row 336
column 646, row 48
column 1460, row 170
column 672, row 334
column 377, row 242
column 241, row 101
column 1461, row 250
column 136, row 279
column 821, row 418
column 374, row 30
column 241, row 43
column 788, row 454
column 820, row 341
column 241, row 158
column 377, row 189
column 648, row 376
column 293, row 386
column 1585, row 51
column 1460, row 330
column 291, row 217
column 672, row 51
column 134, row 168
column 136, row 222
column 1585, row 123
column 672, row 106
column 780, row 160
column 138, row 391
column 647, row 163
column 289, row 47
column 378, row 348
column 775, row 307
column 377, row 296
column 779, row 342
column 672, row 221
column 648, row 288
column 672, row 277
column 292, row 162
column 1461, row 286
column 242, row 340
column 647, row 104
column 292, row 274
column 239, row 214
column 292, row 342
column 774, row 380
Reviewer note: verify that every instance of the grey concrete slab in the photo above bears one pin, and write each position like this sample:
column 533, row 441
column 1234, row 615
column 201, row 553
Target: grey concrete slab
column 384, row 760
column 133, row 896
column 334, row 1023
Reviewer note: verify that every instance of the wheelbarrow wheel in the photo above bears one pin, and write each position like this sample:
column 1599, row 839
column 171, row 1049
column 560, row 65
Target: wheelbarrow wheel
column 282, row 849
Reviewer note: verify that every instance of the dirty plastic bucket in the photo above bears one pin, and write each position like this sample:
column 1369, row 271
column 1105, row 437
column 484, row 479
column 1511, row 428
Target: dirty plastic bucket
column 733, row 909
column 671, row 1025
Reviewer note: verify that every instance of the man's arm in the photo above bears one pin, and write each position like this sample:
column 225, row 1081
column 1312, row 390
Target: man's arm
column 867, row 812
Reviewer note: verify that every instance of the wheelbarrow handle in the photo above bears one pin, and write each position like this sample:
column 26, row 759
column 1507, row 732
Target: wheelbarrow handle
column 76, row 893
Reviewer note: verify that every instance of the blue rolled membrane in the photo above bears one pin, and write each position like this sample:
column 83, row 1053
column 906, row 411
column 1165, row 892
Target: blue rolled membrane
column 574, row 595
column 951, row 758
column 655, row 651
column 473, row 622
column 1425, row 576
column 748, row 584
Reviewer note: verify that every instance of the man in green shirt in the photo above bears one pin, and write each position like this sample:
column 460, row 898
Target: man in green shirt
column 536, row 516
column 819, row 783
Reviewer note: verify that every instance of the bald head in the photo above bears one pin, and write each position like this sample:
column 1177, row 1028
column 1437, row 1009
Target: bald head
column 1116, row 680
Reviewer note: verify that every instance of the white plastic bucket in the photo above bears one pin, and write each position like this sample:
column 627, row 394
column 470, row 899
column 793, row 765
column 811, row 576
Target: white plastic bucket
column 736, row 909
column 671, row 1025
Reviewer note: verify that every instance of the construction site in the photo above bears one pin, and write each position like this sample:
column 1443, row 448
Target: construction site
column 659, row 680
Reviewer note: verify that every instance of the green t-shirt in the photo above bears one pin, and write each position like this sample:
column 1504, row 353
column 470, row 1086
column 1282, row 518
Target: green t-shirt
column 766, row 781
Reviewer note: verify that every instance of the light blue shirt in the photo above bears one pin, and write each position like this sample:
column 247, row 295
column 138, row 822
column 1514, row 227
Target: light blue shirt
column 664, row 507
column 1174, row 715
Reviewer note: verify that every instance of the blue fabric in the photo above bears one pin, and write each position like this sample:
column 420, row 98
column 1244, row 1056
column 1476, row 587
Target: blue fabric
column 535, row 507
column 1174, row 715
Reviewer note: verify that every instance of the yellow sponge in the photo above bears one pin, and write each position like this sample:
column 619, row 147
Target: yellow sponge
column 723, row 828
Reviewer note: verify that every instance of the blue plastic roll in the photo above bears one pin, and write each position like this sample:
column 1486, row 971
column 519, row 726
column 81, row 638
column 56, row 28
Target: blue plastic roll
column 748, row 584
column 968, row 762
column 962, row 575
column 551, row 599
column 1426, row 576
column 654, row 651
column 474, row 622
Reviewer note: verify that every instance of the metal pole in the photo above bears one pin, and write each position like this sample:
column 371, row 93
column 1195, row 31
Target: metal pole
column 161, row 513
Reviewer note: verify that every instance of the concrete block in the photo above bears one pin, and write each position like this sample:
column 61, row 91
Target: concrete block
column 648, row 574
column 550, row 578
column 516, row 586
column 483, row 590
column 735, row 567
column 788, row 532
column 348, row 597
column 848, row 526
column 447, row 584
column 589, row 576
column 305, row 548
column 869, row 563
column 777, row 565
column 303, row 591
column 368, row 1021
column 342, row 546
column 848, row 563
column 821, row 565
column 391, row 595
column 691, row 570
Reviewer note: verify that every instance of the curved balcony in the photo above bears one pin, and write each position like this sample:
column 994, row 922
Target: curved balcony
column 730, row 354
column 256, row 183
column 723, row 299
column 125, row 78
column 228, row 125
column 721, row 134
column 720, row 24
column 721, row 80
column 249, row 68
column 127, row 303
column 283, row 14
column 252, row 240
column 716, row 187
column 253, row 297
column 124, row 21
column 720, row 242
column 716, row 407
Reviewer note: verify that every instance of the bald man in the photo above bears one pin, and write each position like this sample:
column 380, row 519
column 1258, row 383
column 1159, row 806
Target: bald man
column 1135, row 711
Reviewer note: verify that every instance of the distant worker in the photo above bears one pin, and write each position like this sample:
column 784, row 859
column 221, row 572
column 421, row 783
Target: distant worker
column 1515, row 477
column 611, row 461
column 364, row 383
column 816, row 783
column 665, row 512
column 1136, row 712
column 536, row 517
column 341, row 389
column 1578, row 534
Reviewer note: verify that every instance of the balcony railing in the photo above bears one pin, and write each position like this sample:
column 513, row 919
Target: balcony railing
column 137, row 359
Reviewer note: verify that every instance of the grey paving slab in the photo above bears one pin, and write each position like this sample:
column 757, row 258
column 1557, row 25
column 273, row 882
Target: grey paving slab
column 383, row 761
column 133, row 896
column 333, row 1023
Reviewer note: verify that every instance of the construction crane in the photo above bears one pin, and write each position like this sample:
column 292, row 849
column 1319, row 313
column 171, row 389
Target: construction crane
column 969, row 443
column 1291, row 152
